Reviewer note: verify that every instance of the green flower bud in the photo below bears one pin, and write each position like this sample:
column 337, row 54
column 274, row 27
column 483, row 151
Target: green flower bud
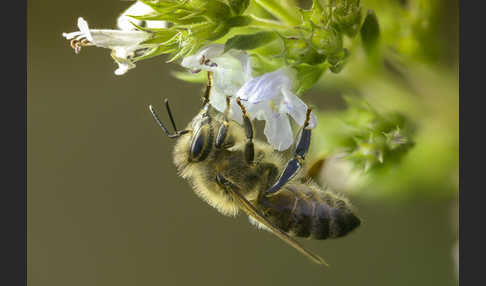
column 314, row 15
column 338, row 60
column 327, row 41
column 347, row 17
column 299, row 51
column 395, row 139
column 367, row 155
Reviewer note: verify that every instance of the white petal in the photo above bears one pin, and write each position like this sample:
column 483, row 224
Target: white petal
column 258, row 110
column 107, row 38
column 313, row 120
column 124, row 24
column 265, row 87
column 278, row 131
column 156, row 24
column 217, row 98
column 218, row 101
column 123, row 68
column 138, row 9
column 209, row 52
column 84, row 29
column 245, row 63
column 118, row 38
column 71, row 35
column 235, row 112
column 294, row 106
column 230, row 71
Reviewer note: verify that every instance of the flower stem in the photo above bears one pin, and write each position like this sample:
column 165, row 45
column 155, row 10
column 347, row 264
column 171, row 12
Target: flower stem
column 278, row 10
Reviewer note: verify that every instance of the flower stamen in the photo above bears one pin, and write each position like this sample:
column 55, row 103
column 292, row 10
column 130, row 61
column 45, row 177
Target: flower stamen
column 307, row 117
column 76, row 44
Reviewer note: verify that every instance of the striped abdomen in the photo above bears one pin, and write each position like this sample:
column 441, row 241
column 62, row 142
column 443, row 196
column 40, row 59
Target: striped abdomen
column 304, row 210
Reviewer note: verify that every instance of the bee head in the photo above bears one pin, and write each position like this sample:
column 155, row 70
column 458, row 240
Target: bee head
column 202, row 137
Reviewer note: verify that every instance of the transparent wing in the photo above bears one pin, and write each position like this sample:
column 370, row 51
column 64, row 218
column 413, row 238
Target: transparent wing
column 250, row 210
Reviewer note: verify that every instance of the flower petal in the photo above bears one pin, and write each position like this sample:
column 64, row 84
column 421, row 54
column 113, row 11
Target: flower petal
column 198, row 61
column 230, row 71
column 118, row 38
column 123, row 67
column 84, row 29
column 294, row 106
column 138, row 9
column 278, row 131
column 265, row 87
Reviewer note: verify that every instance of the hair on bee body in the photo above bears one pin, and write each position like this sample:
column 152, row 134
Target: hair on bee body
column 232, row 171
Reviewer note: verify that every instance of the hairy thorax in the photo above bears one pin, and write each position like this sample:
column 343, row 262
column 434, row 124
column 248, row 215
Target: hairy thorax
column 231, row 164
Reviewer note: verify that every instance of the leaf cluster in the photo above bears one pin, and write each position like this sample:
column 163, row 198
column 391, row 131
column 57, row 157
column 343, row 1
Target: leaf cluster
column 192, row 23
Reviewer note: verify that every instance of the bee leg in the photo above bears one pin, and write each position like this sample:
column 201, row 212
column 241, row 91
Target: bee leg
column 294, row 165
column 249, row 148
column 205, row 105
column 223, row 129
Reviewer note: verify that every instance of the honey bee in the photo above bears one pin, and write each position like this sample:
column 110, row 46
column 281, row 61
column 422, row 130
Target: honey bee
column 231, row 170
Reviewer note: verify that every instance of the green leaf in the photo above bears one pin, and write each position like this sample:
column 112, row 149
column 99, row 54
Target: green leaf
column 238, row 6
column 217, row 11
column 239, row 21
column 161, row 37
column 308, row 75
column 249, row 42
column 370, row 32
column 200, row 77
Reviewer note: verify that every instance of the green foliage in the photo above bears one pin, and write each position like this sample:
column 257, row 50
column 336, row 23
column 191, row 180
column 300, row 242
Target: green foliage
column 347, row 17
column 406, row 114
column 238, row 6
column 193, row 23
column 308, row 75
column 249, row 42
column 369, row 138
column 370, row 32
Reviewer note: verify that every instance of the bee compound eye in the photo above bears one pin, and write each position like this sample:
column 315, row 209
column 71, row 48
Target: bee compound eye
column 199, row 145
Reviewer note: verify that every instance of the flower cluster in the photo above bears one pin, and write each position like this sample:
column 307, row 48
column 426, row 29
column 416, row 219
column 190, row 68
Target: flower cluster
column 368, row 139
column 127, row 43
column 267, row 63
column 268, row 97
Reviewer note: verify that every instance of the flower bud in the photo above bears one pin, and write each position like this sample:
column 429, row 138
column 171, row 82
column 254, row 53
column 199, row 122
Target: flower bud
column 298, row 51
column 327, row 41
column 347, row 17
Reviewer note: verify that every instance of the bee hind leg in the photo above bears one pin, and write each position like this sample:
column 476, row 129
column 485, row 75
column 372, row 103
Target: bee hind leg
column 294, row 165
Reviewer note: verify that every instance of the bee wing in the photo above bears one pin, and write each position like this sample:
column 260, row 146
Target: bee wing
column 250, row 210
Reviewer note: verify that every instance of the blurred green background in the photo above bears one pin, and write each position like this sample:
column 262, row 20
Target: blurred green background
column 106, row 207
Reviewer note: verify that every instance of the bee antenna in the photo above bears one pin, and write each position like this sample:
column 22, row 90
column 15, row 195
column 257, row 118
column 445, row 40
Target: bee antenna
column 170, row 115
column 156, row 117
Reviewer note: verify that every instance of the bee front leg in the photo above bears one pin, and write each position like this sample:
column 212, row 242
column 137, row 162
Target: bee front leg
column 249, row 147
column 294, row 165
column 223, row 130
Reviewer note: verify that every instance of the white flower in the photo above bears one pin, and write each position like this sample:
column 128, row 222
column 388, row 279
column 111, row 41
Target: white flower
column 230, row 71
column 138, row 9
column 270, row 98
column 125, row 45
